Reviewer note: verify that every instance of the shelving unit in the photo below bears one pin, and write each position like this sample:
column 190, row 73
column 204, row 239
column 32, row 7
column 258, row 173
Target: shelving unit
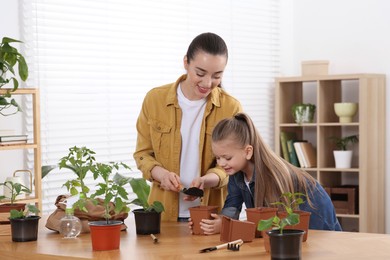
column 368, row 165
column 35, row 145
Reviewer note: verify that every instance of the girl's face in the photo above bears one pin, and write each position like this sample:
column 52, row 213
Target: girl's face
column 204, row 73
column 232, row 157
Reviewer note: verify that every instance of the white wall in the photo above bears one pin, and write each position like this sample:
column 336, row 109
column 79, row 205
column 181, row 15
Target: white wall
column 352, row 35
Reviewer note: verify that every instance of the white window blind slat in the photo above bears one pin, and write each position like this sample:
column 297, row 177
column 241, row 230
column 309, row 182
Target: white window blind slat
column 95, row 60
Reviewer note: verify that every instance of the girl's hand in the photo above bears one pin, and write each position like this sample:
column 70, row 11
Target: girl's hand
column 211, row 226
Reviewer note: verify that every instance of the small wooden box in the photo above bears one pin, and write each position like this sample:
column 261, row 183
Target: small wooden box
column 315, row 67
column 345, row 198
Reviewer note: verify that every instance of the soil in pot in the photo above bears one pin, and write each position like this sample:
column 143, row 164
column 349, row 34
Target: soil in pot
column 24, row 229
column 147, row 222
column 105, row 236
column 197, row 214
column 287, row 245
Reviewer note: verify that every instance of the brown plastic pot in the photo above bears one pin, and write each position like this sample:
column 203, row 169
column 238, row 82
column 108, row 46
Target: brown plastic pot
column 233, row 229
column 105, row 236
column 256, row 214
column 197, row 214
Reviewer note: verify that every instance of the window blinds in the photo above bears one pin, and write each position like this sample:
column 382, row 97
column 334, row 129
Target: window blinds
column 95, row 60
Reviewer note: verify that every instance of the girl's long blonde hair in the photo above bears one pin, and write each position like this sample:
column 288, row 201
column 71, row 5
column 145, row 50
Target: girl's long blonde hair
column 274, row 176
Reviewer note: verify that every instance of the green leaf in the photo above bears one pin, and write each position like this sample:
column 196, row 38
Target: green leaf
column 23, row 69
column 8, row 40
column 265, row 224
column 141, row 189
column 157, row 206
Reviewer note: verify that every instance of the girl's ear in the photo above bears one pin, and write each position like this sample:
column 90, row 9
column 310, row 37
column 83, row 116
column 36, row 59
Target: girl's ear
column 249, row 152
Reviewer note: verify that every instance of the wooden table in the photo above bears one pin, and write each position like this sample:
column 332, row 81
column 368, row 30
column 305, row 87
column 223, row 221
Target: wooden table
column 175, row 242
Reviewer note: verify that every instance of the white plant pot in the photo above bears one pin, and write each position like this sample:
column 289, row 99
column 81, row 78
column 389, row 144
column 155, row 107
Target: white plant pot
column 343, row 159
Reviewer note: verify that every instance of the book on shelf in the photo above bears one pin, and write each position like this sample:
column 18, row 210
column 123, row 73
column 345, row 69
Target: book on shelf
column 292, row 153
column 13, row 139
column 284, row 137
column 306, row 154
column 301, row 158
column 13, row 142
column 309, row 154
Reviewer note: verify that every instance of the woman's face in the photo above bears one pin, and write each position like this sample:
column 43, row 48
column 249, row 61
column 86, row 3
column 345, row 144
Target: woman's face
column 232, row 157
column 204, row 73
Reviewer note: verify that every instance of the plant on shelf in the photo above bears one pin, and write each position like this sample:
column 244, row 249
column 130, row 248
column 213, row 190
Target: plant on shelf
column 284, row 242
column 147, row 218
column 342, row 142
column 9, row 57
column 342, row 156
column 303, row 113
column 24, row 224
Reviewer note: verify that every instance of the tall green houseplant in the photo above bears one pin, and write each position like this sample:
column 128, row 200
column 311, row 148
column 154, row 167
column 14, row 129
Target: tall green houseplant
column 9, row 58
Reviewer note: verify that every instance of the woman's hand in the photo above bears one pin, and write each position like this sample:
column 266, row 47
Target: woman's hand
column 170, row 181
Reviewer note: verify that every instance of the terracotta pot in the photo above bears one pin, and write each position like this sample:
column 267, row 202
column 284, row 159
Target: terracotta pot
column 287, row 245
column 233, row 229
column 6, row 208
column 256, row 214
column 147, row 222
column 105, row 236
column 197, row 214
column 25, row 229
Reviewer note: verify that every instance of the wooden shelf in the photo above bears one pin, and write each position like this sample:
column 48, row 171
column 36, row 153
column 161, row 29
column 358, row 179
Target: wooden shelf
column 34, row 144
column 368, row 169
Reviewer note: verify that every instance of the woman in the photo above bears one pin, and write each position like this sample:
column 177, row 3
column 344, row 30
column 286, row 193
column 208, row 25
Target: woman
column 259, row 177
column 174, row 131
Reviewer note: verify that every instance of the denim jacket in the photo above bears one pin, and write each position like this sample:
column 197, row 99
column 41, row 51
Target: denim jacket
column 323, row 215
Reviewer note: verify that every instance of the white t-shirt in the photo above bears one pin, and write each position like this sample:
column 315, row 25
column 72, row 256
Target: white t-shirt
column 192, row 117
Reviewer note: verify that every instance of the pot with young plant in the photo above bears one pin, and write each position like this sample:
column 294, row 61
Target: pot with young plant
column 342, row 156
column 284, row 232
column 148, row 217
column 24, row 224
column 14, row 190
column 9, row 57
column 105, row 234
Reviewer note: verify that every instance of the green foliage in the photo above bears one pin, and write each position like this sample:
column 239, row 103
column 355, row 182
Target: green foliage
column 9, row 57
column 111, row 189
column 290, row 202
column 342, row 142
column 15, row 188
column 80, row 161
column 24, row 213
column 142, row 190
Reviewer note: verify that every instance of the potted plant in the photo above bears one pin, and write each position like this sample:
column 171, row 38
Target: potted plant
column 303, row 113
column 81, row 161
column 15, row 189
column 105, row 234
column 9, row 57
column 148, row 217
column 342, row 156
column 24, row 224
column 285, row 242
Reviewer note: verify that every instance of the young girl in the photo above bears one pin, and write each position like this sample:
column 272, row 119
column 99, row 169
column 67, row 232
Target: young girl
column 258, row 177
